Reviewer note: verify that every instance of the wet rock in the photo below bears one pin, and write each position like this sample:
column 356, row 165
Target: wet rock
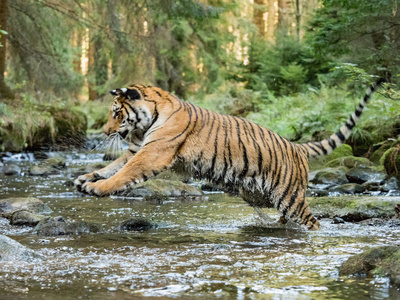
column 26, row 218
column 59, row 226
column 34, row 205
column 348, row 188
column 11, row 169
column 391, row 161
column 361, row 174
column 136, row 224
column 209, row 187
column 161, row 187
column 40, row 155
column 337, row 220
column 371, row 186
column 316, row 193
column 88, row 169
column 349, row 162
column 330, row 176
column 390, row 185
column 50, row 166
column 382, row 261
column 354, row 209
column 11, row 250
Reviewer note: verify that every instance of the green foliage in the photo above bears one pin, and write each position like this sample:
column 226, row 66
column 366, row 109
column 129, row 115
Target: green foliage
column 363, row 32
column 285, row 68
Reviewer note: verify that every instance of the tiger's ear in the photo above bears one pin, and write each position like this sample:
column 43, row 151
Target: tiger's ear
column 132, row 94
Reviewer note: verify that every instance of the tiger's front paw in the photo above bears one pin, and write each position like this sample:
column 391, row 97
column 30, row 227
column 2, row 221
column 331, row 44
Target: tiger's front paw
column 91, row 177
column 96, row 188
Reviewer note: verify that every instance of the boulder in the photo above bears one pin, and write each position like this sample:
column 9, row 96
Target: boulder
column 361, row 174
column 26, row 218
column 349, row 162
column 390, row 185
column 59, row 226
column 136, row 224
column 11, row 169
column 11, row 250
column 34, row 205
column 331, row 176
column 348, row 188
column 354, row 209
column 381, row 261
column 50, row 166
column 162, row 188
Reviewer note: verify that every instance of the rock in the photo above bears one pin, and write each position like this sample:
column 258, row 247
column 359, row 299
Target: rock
column 390, row 185
column 34, row 205
column 11, row 250
column 12, row 170
column 361, row 174
column 58, row 226
column 348, row 188
column 349, row 162
column 330, row 176
column 354, row 209
column 383, row 261
column 337, row 220
column 379, row 149
column 391, row 161
column 209, row 187
column 136, row 224
column 26, row 218
column 50, row 166
column 163, row 188
column 371, row 186
column 40, row 155
column 316, row 193
column 43, row 171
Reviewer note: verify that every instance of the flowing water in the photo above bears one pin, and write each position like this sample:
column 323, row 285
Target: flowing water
column 211, row 249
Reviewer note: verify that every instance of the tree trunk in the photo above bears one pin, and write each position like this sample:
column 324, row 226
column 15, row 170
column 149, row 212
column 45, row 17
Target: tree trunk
column 4, row 89
column 258, row 16
column 282, row 17
column 271, row 21
column 77, row 43
column 298, row 20
column 90, row 74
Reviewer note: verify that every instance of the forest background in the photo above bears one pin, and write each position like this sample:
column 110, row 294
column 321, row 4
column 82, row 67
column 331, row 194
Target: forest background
column 297, row 67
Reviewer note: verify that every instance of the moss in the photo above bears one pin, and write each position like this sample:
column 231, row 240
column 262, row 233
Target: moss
column 349, row 162
column 391, row 161
column 342, row 151
column 381, row 261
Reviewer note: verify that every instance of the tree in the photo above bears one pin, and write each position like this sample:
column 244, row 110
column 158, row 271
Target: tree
column 364, row 32
column 4, row 89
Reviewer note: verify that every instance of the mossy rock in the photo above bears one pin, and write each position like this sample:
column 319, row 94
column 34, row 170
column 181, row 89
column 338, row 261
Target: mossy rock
column 331, row 176
column 341, row 151
column 71, row 126
column 381, row 261
column 354, row 208
column 349, row 162
column 379, row 150
column 391, row 161
column 160, row 189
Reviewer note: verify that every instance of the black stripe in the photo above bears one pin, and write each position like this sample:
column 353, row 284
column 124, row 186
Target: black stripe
column 187, row 126
column 340, row 135
column 215, row 148
column 358, row 113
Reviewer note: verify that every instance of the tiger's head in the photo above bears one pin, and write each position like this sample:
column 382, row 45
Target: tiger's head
column 129, row 112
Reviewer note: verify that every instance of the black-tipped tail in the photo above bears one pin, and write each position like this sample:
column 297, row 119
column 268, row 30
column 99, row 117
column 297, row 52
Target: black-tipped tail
column 326, row 146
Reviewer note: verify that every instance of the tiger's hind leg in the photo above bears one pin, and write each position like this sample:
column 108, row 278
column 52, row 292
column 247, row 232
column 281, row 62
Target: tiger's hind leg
column 296, row 208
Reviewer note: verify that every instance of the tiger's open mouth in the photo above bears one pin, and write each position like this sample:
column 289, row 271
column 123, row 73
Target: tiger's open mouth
column 124, row 134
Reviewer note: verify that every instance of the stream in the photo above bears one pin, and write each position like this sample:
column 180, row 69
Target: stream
column 213, row 249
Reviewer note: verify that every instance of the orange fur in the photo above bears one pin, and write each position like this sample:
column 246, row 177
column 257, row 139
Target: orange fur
column 268, row 170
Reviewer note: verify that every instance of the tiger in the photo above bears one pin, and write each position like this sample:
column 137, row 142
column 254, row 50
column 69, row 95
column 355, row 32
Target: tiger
column 165, row 131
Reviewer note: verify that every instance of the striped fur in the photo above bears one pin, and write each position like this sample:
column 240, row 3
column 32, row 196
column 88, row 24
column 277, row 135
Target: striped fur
column 268, row 170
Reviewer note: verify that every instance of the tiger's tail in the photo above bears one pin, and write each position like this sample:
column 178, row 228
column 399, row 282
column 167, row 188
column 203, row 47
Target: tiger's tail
column 326, row 146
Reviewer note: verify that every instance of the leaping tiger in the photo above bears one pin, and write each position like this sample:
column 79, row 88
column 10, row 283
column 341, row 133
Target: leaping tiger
column 269, row 170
